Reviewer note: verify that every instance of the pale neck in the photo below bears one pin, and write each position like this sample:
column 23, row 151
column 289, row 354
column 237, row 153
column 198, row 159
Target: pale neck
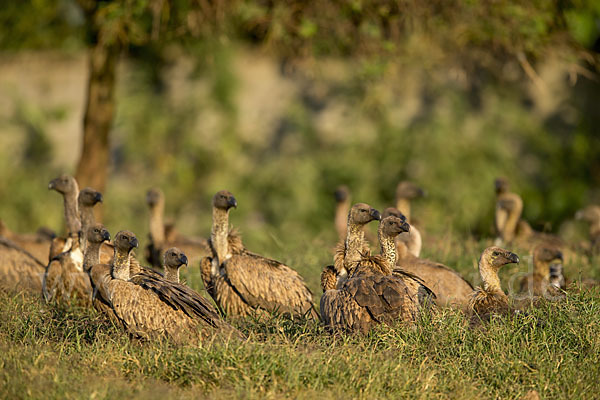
column 341, row 213
column 91, row 256
column 157, row 225
column 86, row 214
column 355, row 239
column 388, row 249
column 71, row 212
column 403, row 205
column 121, row 265
column 489, row 275
column 172, row 274
column 510, row 227
column 541, row 268
column 219, row 233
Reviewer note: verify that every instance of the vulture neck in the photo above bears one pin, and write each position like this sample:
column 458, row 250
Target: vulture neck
column 91, row 256
column 86, row 215
column 72, row 212
column 172, row 274
column 388, row 249
column 510, row 226
column 489, row 275
column 403, row 205
column 541, row 268
column 355, row 239
column 120, row 267
column 341, row 212
column 220, row 232
column 157, row 225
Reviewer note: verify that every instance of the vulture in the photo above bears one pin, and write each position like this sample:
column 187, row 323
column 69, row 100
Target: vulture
column 147, row 306
column 591, row 215
column 490, row 300
column 86, row 201
column 537, row 284
column 68, row 187
column 173, row 260
column 243, row 283
column 405, row 192
column 342, row 206
column 164, row 236
column 371, row 295
column 509, row 207
column 449, row 287
column 349, row 251
column 19, row 270
column 37, row 244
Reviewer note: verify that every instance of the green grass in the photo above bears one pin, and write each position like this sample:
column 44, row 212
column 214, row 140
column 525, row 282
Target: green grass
column 69, row 352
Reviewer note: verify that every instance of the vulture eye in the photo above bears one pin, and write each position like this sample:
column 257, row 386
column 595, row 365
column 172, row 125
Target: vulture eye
column 496, row 253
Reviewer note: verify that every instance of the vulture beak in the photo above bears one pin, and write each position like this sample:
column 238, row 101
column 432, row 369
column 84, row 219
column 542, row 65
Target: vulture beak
column 98, row 197
column 405, row 226
column 232, row 202
column 52, row 184
column 133, row 242
column 559, row 256
column 375, row 214
column 340, row 195
column 183, row 260
column 421, row 192
column 105, row 236
column 513, row 258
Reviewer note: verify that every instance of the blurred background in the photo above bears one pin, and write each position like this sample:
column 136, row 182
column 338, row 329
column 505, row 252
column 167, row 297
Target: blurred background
column 280, row 102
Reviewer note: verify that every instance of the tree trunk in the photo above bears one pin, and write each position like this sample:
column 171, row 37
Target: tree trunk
column 92, row 169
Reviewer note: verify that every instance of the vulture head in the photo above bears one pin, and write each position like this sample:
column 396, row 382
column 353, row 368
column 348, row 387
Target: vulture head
column 394, row 212
column 408, row 190
column 341, row 193
column 501, row 185
column 64, row 184
column 89, row 197
column 97, row 233
column 495, row 257
column 361, row 214
column 174, row 258
column 154, row 197
column 125, row 241
column 547, row 253
column 224, row 200
column 393, row 226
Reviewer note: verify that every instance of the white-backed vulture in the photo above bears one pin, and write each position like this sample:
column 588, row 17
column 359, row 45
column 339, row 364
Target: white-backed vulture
column 173, row 260
column 37, row 244
column 86, row 201
column 67, row 186
column 449, row 287
column 148, row 306
column 342, row 206
column 591, row 215
column 351, row 250
column 19, row 270
column 490, row 300
column 537, row 284
column 411, row 240
column 65, row 279
column 243, row 283
column 164, row 236
column 372, row 295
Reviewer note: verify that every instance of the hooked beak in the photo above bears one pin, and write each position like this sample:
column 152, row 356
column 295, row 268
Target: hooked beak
column 52, row 184
column 98, row 197
column 183, row 260
column 340, row 195
column 513, row 258
column 559, row 256
column 375, row 214
column 232, row 202
column 133, row 242
column 105, row 236
column 421, row 192
column 405, row 226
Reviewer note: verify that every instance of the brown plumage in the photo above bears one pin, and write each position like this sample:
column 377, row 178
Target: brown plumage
column 19, row 270
column 37, row 244
column 537, row 284
column 173, row 260
column 412, row 240
column 449, row 287
column 96, row 236
column 242, row 282
column 351, row 250
column 490, row 300
column 67, row 186
column 164, row 236
column 372, row 295
column 148, row 306
column 65, row 279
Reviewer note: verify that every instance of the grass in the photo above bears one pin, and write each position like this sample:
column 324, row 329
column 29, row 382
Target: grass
column 54, row 351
